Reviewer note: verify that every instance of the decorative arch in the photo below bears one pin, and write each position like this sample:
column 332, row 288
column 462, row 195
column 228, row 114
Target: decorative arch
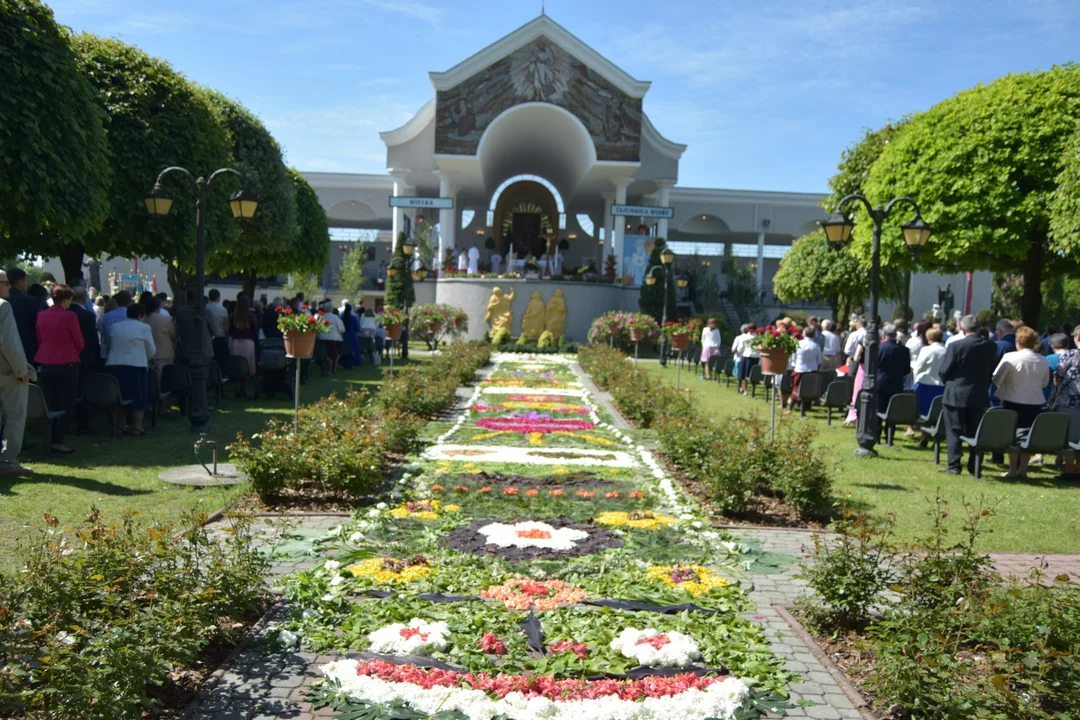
column 351, row 211
column 532, row 178
column 704, row 224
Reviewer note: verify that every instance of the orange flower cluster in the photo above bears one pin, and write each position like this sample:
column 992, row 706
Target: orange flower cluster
column 526, row 594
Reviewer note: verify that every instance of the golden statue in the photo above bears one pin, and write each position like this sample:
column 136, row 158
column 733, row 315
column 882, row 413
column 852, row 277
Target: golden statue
column 533, row 322
column 498, row 311
column 556, row 314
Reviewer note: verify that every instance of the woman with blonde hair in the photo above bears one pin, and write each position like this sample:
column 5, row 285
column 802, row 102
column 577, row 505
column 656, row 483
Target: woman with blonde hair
column 1020, row 378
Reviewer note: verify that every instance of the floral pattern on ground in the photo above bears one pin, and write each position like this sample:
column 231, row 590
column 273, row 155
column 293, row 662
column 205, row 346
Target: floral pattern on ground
column 532, row 423
column 653, row 648
column 470, row 538
column 427, row 510
column 528, row 594
column 391, row 570
column 694, row 579
column 419, row 637
column 639, row 519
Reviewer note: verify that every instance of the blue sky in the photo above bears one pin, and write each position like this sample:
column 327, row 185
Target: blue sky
column 766, row 94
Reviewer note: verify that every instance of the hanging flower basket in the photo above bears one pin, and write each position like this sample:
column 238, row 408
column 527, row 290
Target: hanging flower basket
column 459, row 321
column 434, row 327
column 773, row 361
column 637, row 334
column 680, row 341
column 300, row 344
column 393, row 332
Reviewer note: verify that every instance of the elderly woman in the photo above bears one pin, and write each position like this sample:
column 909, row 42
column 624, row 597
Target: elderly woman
column 131, row 347
column 710, row 346
column 1020, row 378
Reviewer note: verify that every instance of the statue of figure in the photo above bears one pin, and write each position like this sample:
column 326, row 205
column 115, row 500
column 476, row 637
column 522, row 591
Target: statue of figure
column 498, row 310
column 533, row 322
column 556, row 314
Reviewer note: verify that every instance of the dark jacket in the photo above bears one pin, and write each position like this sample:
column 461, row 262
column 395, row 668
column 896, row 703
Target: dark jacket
column 25, row 309
column 894, row 364
column 91, row 352
column 967, row 369
column 1005, row 344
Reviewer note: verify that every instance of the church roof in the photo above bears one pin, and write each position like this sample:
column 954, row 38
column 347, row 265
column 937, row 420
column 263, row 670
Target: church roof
column 542, row 26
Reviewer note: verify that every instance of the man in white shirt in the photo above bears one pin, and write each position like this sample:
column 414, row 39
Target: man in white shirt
column 855, row 338
column 746, row 355
column 217, row 319
column 463, row 261
column 830, row 346
column 955, row 337
column 474, row 260
column 807, row 360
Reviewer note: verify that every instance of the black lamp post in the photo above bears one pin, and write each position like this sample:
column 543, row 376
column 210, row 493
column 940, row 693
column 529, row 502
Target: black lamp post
column 667, row 257
column 408, row 247
column 243, row 204
column 838, row 229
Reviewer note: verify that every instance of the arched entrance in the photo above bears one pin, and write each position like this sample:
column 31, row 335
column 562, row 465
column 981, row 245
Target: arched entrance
column 527, row 212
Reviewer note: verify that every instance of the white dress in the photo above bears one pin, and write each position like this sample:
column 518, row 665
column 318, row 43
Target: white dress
column 474, row 260
column 463, row 262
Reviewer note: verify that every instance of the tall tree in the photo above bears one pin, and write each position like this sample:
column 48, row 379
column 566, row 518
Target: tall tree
column 983, row 166
column 856, row 161
column 156, row 118
column 651, row 299
column 309, row 250
column 812, row 270
column 262, row 248
column 350, row 276
column 1065, row 206
column 53, row 186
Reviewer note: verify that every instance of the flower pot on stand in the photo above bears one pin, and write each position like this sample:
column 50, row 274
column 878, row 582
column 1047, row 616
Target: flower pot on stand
column 434, row 327
column 300, row 344
column 773, row 361
column 637, row 334
column 458, row 322
column 680, row 342
column 393, row 332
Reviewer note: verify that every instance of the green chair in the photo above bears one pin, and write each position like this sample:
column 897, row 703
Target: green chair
column 729, row 372
column 996, row 434
column 810, row 389
column 38, row 413
column 934, row 433
column 103, row 395
column 756, row 378
column 903, row 409
column 1049, row 435
column 838, row 396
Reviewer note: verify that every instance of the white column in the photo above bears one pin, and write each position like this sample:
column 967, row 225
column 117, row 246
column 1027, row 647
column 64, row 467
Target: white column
column 401, row 189
column 447, row 220
column 663, row 199
column 605, row 222
column 761, row 261
column 620, row 227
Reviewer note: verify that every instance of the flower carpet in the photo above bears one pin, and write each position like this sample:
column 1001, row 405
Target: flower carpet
column 535, row 562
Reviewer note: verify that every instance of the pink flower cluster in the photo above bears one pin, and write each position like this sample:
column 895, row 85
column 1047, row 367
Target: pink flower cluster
column 491, row 644
column 536, row 685
column 657, row 641
column 567, row 646
column 533, row 426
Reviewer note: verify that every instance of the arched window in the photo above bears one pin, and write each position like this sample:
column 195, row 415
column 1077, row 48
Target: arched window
column 531, row 178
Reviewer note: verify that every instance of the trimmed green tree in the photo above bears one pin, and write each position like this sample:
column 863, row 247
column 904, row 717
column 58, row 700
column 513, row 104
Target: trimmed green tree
column 262, row 248
column 156, row 119
column 984, row 167
column 856, row 161
column 811, row 269
column 1065, row 205
column 309, row 251
column 350, row 276
column 54, row 182
column 651, row 298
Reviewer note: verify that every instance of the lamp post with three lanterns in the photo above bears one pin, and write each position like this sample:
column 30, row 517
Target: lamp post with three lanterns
column 666, row 268
column 243, row 204
column 838, row 229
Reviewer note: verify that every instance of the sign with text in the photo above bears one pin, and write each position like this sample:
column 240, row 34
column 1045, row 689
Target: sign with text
column 643, row 211
column 422, row 202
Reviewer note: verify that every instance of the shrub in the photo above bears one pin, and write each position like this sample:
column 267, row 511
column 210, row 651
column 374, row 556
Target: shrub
column 547, row 339
column 103, row 612
column 523, row 339
column 502, row 336
column 613, row 328
column 799, row 474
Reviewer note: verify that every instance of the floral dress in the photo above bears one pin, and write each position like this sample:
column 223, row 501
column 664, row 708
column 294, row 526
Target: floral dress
column 1068, row 375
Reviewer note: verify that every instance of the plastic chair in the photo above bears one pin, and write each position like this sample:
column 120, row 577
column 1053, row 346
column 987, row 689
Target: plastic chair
column 838, row 396
column 154, row 396
column 810, row 388
column 1049, row 434
column 934, row 433
column 176, row 381
column 756, row 378
column 103, row 395
column 996, row 434
column 931, row 417
column 903, row 409
column 215, row 381
column 237, row 370
column 729, row 372
column 38, row 413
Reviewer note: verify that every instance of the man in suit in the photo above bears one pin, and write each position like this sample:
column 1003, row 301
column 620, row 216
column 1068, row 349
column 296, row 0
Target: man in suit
column 894, row 364
column 25, row 309
column 89, row 359
column 966, row 368
column 15, row 376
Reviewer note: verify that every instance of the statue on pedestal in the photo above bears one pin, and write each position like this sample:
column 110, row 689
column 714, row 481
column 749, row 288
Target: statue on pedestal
column 533, row 322
column 556, row 314
column 498, row 310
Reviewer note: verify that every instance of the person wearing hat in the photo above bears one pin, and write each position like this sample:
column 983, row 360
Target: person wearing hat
column 15, row 376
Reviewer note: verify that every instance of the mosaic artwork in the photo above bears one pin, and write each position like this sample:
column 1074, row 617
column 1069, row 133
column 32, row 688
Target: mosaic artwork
column 539, row 72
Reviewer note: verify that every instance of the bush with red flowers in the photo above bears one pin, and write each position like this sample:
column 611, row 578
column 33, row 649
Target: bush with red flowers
column 290, row 320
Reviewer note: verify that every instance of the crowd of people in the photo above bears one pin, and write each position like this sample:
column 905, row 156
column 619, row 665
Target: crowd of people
column 972, row 366
column 58, row 337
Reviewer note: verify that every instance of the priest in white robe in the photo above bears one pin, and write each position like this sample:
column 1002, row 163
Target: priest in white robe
column 474, row 260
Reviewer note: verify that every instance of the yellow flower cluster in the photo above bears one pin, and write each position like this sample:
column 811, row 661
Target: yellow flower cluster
column 423, row 510
column 376, row 569
column 639, row 519
column 694, row 579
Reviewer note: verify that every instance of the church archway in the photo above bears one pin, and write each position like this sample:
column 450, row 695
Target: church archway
column 526, row 212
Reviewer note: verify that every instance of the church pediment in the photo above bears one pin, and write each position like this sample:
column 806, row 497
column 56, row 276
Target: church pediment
column 539, row 70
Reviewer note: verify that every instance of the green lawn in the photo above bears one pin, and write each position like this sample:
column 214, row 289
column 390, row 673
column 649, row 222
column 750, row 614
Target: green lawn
column 122, row 472
column 1033, row 516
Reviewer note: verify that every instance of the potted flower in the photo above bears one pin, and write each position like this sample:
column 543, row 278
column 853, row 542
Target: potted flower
column 392, row 320
column 639, row 325
column 775, row 345
column 460, row 318
column 430, row 317
column 679, row 332
column 300, row 330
